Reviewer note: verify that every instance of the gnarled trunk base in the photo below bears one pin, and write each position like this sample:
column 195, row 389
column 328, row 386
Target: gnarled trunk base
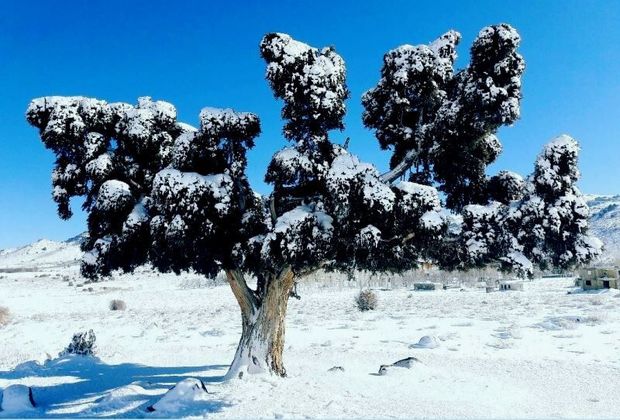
column 262, row 340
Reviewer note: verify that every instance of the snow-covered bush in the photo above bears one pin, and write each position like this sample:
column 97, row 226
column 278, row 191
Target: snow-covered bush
column 82, row 344
column 366, row 300
column 117, row 305
column 5, row 316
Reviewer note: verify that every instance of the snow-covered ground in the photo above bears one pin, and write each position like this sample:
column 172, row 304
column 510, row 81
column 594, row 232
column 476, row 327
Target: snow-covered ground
column 537, row 353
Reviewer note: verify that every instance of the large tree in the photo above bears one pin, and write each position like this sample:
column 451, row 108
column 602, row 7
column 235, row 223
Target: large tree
column 161, row 192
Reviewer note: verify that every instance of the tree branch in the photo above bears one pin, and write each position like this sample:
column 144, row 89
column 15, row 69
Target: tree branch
column 246, row 298
column 399, row 169
column 272, row 208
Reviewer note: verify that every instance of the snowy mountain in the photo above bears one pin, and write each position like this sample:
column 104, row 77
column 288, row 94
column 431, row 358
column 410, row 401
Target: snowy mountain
column 605, row 222
column 42, row 254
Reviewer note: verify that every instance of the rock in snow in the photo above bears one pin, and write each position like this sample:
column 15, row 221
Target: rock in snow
column 181, row 395
column 407, row 363
column 17, row 399
column 403, row 363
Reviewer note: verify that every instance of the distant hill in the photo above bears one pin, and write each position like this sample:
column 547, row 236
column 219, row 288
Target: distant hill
column 42, row 254
column 605, row 222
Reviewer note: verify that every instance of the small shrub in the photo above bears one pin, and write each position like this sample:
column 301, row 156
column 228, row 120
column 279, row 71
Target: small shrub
column 4, row 316
column 366, row 300
column 117, row 305
column 82, row 344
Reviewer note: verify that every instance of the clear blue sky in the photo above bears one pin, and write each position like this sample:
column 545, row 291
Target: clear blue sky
column 196, row 54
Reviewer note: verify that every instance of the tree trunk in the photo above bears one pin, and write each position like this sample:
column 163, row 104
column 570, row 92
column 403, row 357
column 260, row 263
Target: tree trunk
column 262, row 338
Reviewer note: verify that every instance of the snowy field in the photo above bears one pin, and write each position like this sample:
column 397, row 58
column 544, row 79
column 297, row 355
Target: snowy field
column 537, row 353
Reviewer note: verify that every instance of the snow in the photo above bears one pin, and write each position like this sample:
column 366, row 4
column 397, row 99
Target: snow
column 493, row 350
column 369, row 236
column 425, row 194
column 100, row 167
column 289, row 233
column 182, row 396
column 180, row 191
column 520, row 263
column 426, row 342
column 432, row 220
column 444, row 45
column 286, row 48
column 290, row 163
column 113, row 195
column 186, row 127
column 16, row 399
column 137, row 216
column 346, row 171
column 214, row 121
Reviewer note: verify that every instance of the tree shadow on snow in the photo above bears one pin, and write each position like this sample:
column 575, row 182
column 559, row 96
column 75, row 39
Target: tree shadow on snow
column 85, row 386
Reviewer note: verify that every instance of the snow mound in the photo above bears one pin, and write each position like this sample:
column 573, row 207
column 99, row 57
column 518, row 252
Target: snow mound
column 123, row 392
column 556, row 323
column 182, row 395
column 121, row 400
column 426, row 342
column 17, row 399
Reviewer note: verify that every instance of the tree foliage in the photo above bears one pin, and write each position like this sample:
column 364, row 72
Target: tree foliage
column 441, row 124
column 159, row 191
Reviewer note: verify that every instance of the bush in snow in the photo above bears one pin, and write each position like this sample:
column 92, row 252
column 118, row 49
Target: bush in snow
column 117, row 305
column 366, row 300
column 5, row 316
column 82, row 344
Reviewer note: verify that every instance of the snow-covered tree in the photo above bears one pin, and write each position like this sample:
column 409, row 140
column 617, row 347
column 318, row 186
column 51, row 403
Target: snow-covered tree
column 506, row 186
column 403, row 107
column 159, row 191
column 440, row 124
column 109, row 154
column 551, row 221
column 542, row 223
column 328, row 209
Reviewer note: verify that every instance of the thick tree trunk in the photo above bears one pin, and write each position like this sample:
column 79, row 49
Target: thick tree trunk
column 262, row 339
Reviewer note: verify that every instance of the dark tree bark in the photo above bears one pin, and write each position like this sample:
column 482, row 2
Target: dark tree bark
column 263, row 323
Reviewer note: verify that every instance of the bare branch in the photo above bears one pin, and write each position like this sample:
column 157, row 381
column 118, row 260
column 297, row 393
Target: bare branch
column 399, row 169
